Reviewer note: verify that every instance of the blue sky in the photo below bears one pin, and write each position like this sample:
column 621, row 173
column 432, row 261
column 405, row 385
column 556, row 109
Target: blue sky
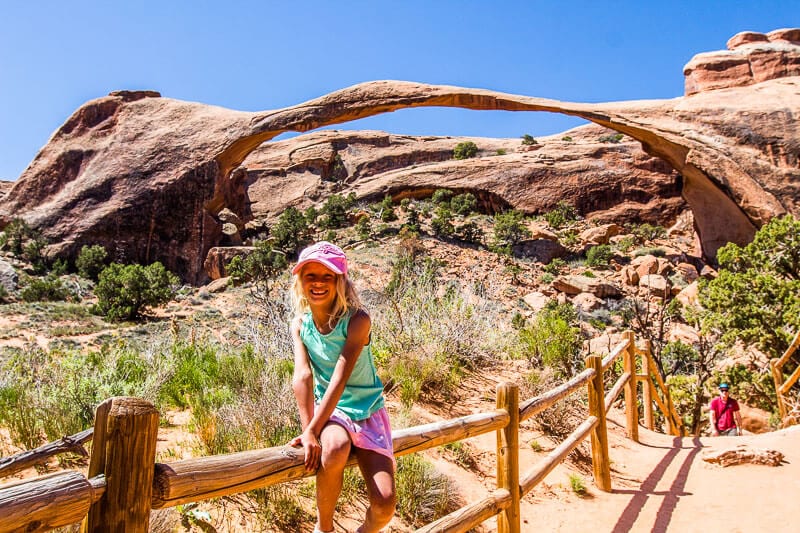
column 256, row 55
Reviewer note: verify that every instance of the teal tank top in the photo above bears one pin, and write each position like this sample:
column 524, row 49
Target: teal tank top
column 363, row 393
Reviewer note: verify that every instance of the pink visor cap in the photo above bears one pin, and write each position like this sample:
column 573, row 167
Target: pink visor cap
column 324, row 253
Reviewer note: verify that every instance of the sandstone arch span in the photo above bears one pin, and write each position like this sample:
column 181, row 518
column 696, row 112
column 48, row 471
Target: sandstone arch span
column 148, row 173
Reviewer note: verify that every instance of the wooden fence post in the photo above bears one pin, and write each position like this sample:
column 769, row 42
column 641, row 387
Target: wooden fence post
column 631, row 396
column 777, row 377
column 647, row 397
column 508, row 521
column 123, row 450
column 597, row 407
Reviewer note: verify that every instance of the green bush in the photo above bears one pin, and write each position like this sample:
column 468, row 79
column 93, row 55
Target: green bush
column 335, row 212
column 647, row 232
column 599, row 256
column 291, row 233
column 554, row 339
column 363, row 228
column 555, row 266
column 387, row 210
column 464, row 204
column 441, row 196
column 261, row 267
column 500, row 151
column 561, row 215
column 470, row 232
column 509, row 229
column 47, row 289
column 566, row 138
column 465, row 150
column 577, row 484
column 528, row 140
column 125, row 291
column 423, row 494
column 91, row 261
column 613, row 138
column 442, row 222
column 15, row 234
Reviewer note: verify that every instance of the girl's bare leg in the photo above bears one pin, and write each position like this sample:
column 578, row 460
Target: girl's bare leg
column 378, row 472
column 335, row 444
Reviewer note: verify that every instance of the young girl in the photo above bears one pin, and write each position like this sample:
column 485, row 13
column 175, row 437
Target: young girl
column 338, row 392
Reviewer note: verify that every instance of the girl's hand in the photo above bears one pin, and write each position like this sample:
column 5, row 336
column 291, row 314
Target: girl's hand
column 311, row 448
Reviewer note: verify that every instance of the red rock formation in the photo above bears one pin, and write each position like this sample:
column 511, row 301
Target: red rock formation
column 146, row 176
column 750, row 58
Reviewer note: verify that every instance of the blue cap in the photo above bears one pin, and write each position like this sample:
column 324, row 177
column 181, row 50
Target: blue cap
column 723, row 386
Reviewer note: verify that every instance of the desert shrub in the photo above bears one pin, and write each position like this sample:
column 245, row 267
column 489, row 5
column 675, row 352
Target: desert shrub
column 91, row 261
column 363, row 228
column 626, row 243
column 756, row 297
column 509, row 229
column 47, row 289
column 599, row 256
column 338, row 172
column 561, row 418
column 555, row 266
column 470, row 232
column 311, row 214
column 441, row 196
column 442, row 222
column 334, row 212
column 647, row 232
column 577, row 484
column 412, row 222
column 261, row 267
column 651, row 250
column 612, row 138
column 125, row 291
column 528, row 140
column 464, row 204
column 465, row 150
column 387, row 209
column 500, row 151
column 291, row 233
column 554, row 340
column 405, row 204
column 547, row 278
column 45, row 395
column 566, row 138
column 15, row 234
column 33, row 252
column 423, row 494
column 561, row 215
column 427, row 334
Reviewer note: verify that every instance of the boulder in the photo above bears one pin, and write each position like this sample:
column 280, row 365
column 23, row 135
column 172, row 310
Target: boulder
column 587, row 302
column 541, row 250
column 226, row 216
column 8, row 276
column 655, row 285
column 743, row 454
column 536, row 301
column 230, row 235
column 629, row 276
column 687, row 272
column 578, row 284
column 218, row 258
column 218, row 285
column 645, row 264
column 599, row 234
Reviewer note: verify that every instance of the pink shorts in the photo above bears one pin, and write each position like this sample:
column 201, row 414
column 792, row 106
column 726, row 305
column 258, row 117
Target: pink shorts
column 373, row 433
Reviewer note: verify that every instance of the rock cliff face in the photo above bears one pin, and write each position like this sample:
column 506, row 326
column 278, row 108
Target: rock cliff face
column 601, row 179
column 751, row 58
column 147, row 176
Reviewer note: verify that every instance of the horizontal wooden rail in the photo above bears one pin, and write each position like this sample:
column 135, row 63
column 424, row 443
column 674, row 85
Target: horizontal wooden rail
column 203, row 478
column 471, row 515
column 616, row 352
column 616, row 389
column 543, row 467
column 536, row 405
column 74, row 443
column 45, row 503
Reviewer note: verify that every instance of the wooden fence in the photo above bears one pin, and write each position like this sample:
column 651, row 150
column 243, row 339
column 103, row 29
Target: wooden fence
column 781, row 387
column 124, row 483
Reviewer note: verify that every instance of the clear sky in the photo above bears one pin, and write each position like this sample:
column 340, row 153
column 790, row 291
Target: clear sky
column 256, row 55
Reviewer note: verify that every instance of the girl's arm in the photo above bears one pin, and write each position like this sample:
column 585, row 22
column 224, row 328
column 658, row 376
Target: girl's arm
column 357, row 337
column 303, row 387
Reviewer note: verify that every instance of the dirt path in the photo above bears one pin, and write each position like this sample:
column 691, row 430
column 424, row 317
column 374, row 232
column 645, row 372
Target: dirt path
column 663, row 485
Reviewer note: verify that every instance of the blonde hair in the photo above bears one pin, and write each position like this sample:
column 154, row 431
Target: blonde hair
column 346, row 300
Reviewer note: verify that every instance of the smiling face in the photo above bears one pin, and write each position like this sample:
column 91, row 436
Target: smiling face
column 319, row 285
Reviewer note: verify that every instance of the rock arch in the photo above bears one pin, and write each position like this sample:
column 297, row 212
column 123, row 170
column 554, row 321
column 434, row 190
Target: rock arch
column 154, row 171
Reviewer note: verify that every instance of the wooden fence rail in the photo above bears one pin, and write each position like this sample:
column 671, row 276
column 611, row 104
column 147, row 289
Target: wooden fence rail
column 125, row 483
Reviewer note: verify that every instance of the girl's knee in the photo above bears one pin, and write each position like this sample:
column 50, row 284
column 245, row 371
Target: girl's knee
column 335, row 451
column 384, row 504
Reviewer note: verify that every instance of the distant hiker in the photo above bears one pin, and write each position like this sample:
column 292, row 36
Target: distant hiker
column 724, row 412
column 338, row 392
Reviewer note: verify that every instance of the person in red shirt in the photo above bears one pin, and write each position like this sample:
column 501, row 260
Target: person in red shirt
column 724, row 413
